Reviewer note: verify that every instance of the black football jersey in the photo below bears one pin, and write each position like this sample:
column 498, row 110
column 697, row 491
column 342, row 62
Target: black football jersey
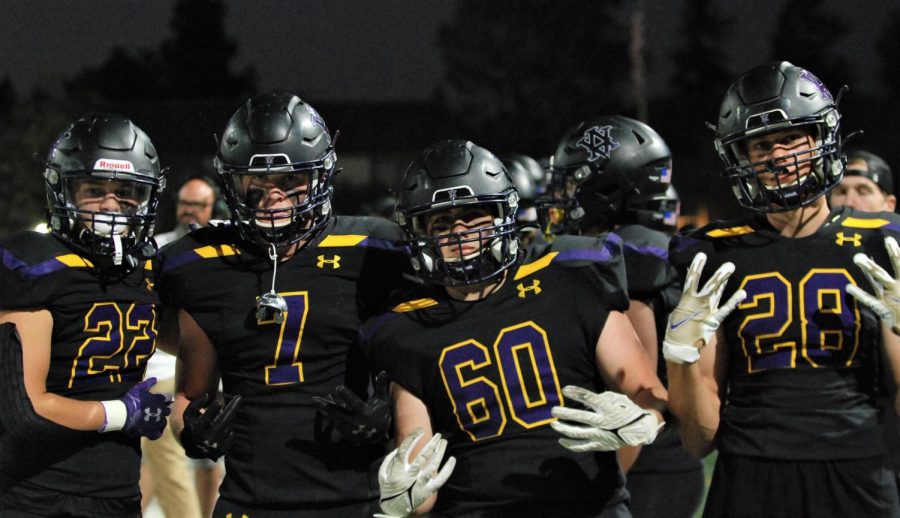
column 802, row 357
column 104, row 330
column 285, row 453
column 490, row 371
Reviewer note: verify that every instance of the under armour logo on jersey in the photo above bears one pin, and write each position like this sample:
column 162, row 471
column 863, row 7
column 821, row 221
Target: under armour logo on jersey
column 155, row 415
column 150, row 284
column 229, row 515
column 856, row 239
column 598, row 142
column 335, row 262
column 535, row 288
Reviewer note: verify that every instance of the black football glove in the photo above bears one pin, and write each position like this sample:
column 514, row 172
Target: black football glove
column 358, row 421
column 208, row 434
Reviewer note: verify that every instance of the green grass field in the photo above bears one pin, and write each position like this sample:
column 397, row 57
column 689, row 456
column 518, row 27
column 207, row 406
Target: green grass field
column 708, row 463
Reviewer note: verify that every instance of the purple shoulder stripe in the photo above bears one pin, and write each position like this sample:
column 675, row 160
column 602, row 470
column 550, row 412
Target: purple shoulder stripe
column 384, row 244
column 37, row 270
column 649, row 250
column 680, row 244
column 179, row 260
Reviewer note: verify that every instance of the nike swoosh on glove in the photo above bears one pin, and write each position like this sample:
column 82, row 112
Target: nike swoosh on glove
column 698, row 315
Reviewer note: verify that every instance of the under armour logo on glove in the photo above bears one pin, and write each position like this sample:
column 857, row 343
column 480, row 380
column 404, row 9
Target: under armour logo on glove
column 356, row 420
column 208, row 430
column 156, row 415
column 132, row 412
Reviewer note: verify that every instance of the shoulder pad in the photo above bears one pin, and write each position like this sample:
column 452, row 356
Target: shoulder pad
column 856, row 219
column 203, row 243
column 31, row 255
column 576, row 251
column 363, row 231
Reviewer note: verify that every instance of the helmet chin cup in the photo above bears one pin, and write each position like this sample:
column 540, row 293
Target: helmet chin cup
column 271, row 307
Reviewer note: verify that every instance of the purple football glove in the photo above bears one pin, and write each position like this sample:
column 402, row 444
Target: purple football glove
column 139, row 412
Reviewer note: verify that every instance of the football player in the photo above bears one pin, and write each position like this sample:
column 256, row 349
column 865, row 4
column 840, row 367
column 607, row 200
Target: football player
column 79, row 315
column 272, row 305
column 785, row 383
column 501, row 356
column 614, row 173
column 868, row 185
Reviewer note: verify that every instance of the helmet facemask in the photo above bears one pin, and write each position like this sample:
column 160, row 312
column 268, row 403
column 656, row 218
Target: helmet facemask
column 302, row 192
column 474, row 255
column 105, row 214
column 794, row 179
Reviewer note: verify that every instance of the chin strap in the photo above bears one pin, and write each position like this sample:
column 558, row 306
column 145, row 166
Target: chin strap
column 117, row 253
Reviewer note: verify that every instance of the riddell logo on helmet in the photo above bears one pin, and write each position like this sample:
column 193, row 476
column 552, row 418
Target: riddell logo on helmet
column 109, row 164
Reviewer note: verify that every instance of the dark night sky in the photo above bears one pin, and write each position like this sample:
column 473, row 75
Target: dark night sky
column 354, row 49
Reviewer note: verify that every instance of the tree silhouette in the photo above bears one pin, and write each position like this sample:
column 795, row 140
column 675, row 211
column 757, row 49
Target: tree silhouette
column 198, row 56
column 699, row 82
column 33, row 125
column 517, row 74
column 7, row 97
column 194, row 63
column 807, row 35
column 702, row 74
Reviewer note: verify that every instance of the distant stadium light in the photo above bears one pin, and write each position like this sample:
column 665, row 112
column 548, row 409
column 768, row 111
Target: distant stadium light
column 42, row 228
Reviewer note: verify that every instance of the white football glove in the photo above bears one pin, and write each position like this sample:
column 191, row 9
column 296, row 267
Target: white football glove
column 698, row 315
column 886, row 302
column 406, row 484
column 612, row 422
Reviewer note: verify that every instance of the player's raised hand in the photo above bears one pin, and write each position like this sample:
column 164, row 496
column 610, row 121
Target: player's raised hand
column 139, row 412
column 698, row 315
column 357, row 420
column 407, row 483
column 886, row 302
column 208, row 430
column 612, row 422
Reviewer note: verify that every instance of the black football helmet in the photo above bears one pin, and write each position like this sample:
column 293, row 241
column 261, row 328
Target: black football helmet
column 607, row 171
column 450, row 174
column 277, row 139
column 527, row 175
column 775, row 97
column 101, row 157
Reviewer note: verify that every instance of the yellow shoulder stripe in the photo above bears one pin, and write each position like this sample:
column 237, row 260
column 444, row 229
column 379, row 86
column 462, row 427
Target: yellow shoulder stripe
column 74, row 261
column 148, row 264
column 345, row 240
column 730, row 231
column 208, row 252
column 864, row 223
column 527, row 269
column 414, row 305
